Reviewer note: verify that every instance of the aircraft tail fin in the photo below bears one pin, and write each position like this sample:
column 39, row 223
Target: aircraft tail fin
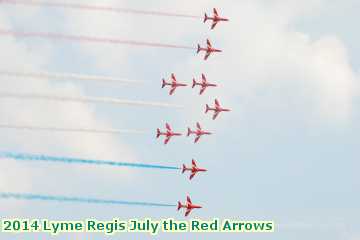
column 158, row 133
column 207, row 108
column 194, row 83
column 189, row 132
column 206, row 17
column 198, row 48
column 183, row 168
column 179, row 205
column 163, row 83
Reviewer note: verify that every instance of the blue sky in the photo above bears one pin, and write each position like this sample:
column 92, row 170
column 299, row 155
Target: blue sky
column 287, row 152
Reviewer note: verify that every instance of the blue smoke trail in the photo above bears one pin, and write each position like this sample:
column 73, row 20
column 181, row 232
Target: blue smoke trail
column 44, row 158
column 28, row 196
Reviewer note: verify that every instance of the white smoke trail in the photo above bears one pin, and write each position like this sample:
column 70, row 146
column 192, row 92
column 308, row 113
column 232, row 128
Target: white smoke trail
column 80, row 130
column 88, row 99
column 66, row 76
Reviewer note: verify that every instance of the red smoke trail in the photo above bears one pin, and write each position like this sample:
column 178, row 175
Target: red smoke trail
column 57, row 36
column 95, row 8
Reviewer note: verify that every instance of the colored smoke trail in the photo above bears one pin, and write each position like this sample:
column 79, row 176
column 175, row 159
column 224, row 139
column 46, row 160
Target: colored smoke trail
column 29, row 196
column 80, row 130
column 87, row 100
column 66, row 76
column 96, row 8
column 56, row 36
column 44, row 158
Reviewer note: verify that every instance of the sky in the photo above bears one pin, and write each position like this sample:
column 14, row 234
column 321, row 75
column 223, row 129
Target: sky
column 287, row 152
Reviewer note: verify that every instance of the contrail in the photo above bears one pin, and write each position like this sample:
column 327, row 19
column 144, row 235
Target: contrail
column 56, row 36
column 80, row 130
column 44, row 158
column 66, row 76
column 87, row 100
column 29, row 196
column 96, row 8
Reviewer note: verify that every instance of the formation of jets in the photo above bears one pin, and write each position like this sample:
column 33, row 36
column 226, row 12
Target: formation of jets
column 217, row 109
column 169, row 133
column 209, row 49
column 198, row 132
column 174, row 84
column 189, row 206
column 215, row 19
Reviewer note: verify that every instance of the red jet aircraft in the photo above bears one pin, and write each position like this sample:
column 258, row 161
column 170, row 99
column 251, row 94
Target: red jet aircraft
column 198, row 132
column 188, row 206
column 193, row 169
column 204, row 84
column 208, row 49
column 174, row 84
column 215, row 19
column 168, row 134
column 217, row 109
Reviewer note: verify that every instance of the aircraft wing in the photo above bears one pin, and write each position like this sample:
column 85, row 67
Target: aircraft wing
column 202, row 90
column 172, row 90
column 215, row 115
column 188, row 200
column 214, row 24
column 198, row 126
column 168, row 127
column 187, row 212
column 208, row 43
column 167, row 139
column 192, row 175
column 197, row 138
column 217, row 104
column 207, row 55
